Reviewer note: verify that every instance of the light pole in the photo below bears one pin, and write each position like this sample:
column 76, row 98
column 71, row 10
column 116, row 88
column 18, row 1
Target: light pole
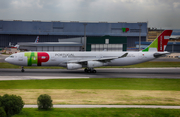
column 140, row 37
column 85, row 36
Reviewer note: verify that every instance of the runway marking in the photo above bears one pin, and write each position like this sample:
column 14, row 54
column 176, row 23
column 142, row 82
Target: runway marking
column 35, row 77
column 107, row 106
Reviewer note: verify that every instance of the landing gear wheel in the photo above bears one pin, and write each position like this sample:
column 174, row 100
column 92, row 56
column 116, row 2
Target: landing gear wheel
column 89, row 70
column 22, row 69
column 86, row 70
column 93, row 71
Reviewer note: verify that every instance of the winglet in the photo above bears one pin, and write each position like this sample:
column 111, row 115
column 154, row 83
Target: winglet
column 159, row 44
column 124, row 55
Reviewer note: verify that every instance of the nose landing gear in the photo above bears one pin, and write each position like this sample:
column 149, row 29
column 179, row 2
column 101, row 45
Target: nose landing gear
column 22, row 69
column 89, row 70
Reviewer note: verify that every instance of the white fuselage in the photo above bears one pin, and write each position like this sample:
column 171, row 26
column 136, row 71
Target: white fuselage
column 62, row 58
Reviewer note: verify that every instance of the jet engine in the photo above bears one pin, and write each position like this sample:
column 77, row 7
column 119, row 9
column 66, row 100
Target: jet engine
column 72, row 66
column 92, row 64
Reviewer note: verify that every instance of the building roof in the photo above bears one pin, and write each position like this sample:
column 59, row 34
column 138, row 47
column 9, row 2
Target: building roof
column 50, row 44
column 72, row 28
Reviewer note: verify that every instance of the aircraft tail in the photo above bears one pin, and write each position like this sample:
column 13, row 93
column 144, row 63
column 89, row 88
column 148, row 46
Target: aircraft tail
column 37, row 39
column 159, row 44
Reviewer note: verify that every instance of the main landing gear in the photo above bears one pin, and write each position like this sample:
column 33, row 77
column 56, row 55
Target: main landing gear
column 89, row 70
column 22, row 69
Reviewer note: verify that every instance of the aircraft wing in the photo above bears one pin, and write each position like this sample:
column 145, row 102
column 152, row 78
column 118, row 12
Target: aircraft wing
column 98, row 59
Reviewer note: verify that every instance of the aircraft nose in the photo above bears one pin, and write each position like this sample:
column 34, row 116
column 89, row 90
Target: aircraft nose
column 7, row 59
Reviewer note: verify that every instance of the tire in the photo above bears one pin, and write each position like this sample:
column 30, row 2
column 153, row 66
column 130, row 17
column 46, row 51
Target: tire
column 94, row 71
column 85, row 70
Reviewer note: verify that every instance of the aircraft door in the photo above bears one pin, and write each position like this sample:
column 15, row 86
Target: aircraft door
column 53, row 58
column 140, row 56
column 20, row 58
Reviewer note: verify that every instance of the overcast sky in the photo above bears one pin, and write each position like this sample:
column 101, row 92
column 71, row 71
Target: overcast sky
column 158, row 13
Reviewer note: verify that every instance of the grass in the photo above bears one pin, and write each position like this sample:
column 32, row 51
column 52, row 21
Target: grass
column 95, row 83
column 100, row 112
column 99, row 96
column 97, row 90
column 141, row 65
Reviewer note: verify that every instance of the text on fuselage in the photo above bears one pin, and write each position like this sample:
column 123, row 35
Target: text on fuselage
column 64, row 55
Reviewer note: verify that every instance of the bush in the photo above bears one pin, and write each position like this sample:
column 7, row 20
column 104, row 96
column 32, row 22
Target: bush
column 44, row 102
column 0, row 101
column 12, row 104
column 2, row 112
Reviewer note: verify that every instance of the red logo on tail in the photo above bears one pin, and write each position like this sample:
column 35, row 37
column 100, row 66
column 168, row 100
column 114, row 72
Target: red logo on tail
column 163, row 40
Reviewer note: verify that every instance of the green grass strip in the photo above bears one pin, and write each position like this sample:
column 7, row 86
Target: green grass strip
column 99, row 112
column 141, row 65
column 95, row 83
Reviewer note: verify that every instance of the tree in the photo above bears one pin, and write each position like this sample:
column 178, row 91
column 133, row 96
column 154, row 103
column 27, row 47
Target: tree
column 44, row 101
column 12, row 104
column 2, row 112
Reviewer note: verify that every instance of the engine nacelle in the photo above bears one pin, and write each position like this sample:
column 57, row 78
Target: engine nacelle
column 92, row 64
column 72, row 66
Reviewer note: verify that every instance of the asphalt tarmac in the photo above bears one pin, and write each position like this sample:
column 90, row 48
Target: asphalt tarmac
column 16, row 74
column 2, row 57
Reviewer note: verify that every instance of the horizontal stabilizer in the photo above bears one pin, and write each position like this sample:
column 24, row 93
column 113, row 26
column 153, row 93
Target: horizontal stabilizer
column 156, row 55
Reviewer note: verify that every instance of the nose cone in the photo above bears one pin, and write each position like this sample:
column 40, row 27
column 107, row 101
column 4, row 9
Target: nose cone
column 10, row 60
column 7, row 59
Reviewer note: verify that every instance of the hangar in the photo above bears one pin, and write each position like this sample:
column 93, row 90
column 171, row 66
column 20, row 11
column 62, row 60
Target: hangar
column 50, row 46
column 96, row 36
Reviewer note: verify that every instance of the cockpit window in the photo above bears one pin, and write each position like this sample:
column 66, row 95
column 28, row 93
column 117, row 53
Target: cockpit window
column 11, row 56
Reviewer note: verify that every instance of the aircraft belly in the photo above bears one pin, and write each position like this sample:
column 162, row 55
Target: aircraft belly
column 123, row 62
column 129, row 61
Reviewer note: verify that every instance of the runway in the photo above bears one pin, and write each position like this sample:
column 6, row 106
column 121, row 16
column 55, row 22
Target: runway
column 30, row 74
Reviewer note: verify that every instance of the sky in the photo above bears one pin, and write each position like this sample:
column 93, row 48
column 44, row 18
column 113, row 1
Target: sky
column 163, row 14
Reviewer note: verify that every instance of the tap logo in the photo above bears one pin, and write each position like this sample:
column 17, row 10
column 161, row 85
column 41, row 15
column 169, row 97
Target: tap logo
column 36, row 58
column 125, row 29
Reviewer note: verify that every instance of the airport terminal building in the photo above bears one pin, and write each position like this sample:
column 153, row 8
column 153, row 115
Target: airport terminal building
column 99, row 36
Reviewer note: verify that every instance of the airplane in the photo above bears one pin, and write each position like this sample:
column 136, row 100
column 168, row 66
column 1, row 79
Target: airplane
column 36, row 41
column 90, row 60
